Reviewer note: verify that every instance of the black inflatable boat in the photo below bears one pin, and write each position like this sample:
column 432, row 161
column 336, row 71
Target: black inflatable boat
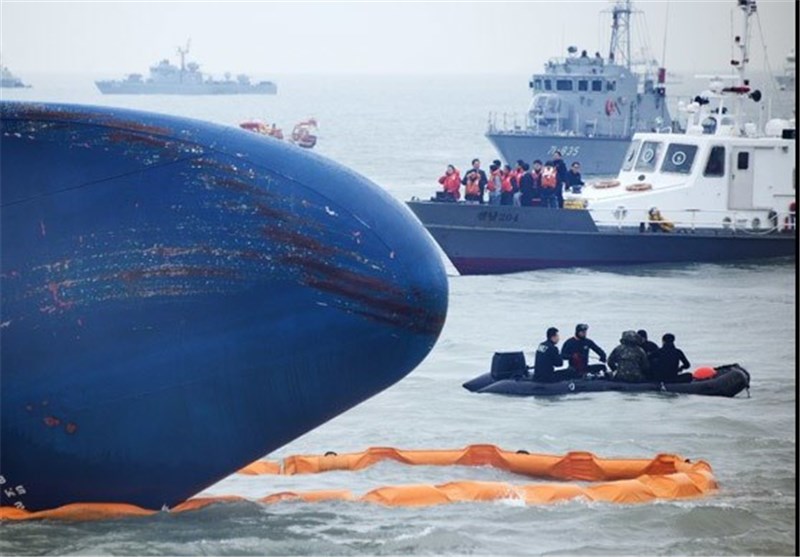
column 510, row 376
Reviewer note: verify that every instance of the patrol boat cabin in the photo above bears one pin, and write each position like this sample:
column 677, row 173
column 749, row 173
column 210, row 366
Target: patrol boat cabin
column 720, row 174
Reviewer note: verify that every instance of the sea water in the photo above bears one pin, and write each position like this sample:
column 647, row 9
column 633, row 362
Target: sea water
column 401, row 132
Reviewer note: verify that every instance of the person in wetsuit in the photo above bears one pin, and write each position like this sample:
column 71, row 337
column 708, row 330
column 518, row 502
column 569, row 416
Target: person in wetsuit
column 647, row 345
column 576, row 353
column 668, row 361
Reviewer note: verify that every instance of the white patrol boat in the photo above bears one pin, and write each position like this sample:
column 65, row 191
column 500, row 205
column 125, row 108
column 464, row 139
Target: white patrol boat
column 722, row 191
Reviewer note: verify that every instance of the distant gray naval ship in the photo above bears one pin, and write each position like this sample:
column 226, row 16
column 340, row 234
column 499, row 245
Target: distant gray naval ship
column 9, row 80
column 168, row 79
column 588, row 107
column 787, row 81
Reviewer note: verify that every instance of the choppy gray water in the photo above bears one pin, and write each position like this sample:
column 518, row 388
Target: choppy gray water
column 401, row 132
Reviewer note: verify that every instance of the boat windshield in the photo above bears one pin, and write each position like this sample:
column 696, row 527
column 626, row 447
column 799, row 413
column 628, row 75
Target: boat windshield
column 648, row 156
column 679, row 158
column 631, row 156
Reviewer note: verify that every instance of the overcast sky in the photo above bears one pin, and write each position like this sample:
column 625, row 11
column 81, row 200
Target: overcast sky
column 116, row 38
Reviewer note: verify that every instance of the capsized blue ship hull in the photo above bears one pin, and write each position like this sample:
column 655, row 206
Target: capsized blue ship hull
column 599, row 156
column 180, row 299
column 484, row 239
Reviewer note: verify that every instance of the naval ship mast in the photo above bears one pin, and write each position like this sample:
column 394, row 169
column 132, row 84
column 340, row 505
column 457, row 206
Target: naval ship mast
column 182, row 52
column 621, row 33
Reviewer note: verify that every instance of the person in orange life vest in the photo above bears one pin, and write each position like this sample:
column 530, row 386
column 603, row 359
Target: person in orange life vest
column 574, row 180
column 481, row 180
column 495, row 185
column 549, row 182
column 538, row 194
column 561, row 176
column 518, row 172
column 451, row 182
column 472, row 190
column 526, row 186
column 509, row 183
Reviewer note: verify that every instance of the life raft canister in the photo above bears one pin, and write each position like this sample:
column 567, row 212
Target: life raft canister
column 704, row 372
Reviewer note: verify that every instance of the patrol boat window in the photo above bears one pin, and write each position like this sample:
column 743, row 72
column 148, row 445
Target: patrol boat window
column 548, row 85
column 648, row 156
column 743, row 161
column 679, row 158
column 564, row 85
column 631, row 156
column 597, row 85
column 716, row 162
column 537, row 84
column 611, row 85
column 583, row 85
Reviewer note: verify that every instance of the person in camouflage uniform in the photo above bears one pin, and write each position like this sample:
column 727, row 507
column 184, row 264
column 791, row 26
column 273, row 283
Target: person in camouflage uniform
column 628, row 360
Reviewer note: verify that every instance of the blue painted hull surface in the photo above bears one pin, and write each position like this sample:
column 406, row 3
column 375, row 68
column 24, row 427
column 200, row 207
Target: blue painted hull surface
column 180, row 299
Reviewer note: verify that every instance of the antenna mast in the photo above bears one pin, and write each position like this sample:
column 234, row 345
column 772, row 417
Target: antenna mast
column 182, row 52
column 621, row 32
column 748, row 7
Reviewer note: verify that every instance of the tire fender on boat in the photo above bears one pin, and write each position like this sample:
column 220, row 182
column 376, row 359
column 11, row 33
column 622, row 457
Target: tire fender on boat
column 639, row 186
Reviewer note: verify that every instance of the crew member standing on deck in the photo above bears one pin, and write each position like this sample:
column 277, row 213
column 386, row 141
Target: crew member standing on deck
column 495, row 185
column 451, row 182
column 481, row 180
column 536, row 174
column 561, row 177
column 518, row 172
column 526, row 186
column 574, row 181
column 508, row 184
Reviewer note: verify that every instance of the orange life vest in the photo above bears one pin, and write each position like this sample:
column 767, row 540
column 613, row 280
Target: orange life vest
column 473, row 184
column 549, row 177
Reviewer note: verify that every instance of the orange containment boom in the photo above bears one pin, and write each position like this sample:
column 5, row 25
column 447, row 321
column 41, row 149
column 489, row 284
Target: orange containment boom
column 576, row 465
column 625, row 481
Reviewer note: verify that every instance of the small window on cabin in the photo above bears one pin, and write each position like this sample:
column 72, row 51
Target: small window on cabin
column 548, row 85
column 743, row 161
column 631, row 156
column 679, row 158
column 537, row 84
column 611, row 85
column 564, row 85
column 583, row 85
column 648, row 156
column 597, row 85
column 716, row 162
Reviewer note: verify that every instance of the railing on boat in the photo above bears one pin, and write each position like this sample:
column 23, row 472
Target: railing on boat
column 694, row 219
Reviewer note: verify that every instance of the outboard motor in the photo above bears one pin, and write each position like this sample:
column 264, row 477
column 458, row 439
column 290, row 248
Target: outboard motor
column 507, row 365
